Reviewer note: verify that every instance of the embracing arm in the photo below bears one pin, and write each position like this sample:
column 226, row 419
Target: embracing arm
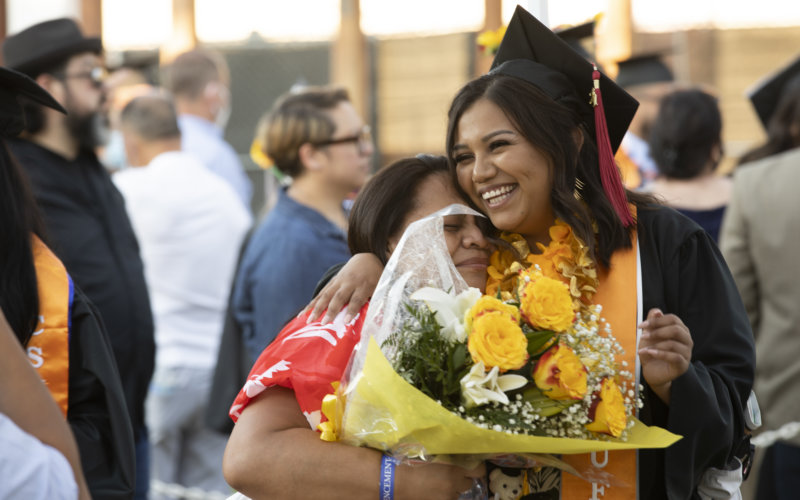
column 352, row 285
column 272, row 453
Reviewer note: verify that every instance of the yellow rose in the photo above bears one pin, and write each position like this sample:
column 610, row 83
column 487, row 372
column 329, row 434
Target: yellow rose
column 546, row 303
column 497, row 340
column 560, row 374
column 608, row 410
column 487, row 304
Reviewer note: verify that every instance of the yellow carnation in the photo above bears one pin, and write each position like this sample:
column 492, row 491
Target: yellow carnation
column 497, row 340
column 546, row 303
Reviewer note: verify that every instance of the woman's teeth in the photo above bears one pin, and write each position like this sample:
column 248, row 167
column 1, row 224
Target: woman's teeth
column 496, row 196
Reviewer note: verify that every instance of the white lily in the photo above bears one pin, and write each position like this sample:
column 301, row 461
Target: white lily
column 479, row 387
column 449, row 309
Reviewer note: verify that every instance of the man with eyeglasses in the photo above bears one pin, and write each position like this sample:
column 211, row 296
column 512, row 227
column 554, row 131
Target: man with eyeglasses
column 316, row 138
column 86, row 221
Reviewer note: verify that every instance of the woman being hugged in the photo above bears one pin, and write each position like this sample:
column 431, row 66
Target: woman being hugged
column 523, row 147
column 274, row 451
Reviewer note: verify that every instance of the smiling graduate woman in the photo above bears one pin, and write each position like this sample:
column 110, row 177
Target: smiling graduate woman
column 529, row 147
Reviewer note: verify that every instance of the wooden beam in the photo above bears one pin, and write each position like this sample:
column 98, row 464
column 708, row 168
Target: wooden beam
column 614, row 36
column 92, row 17
column 184, row 33
column 492, row 20
column 349, row 65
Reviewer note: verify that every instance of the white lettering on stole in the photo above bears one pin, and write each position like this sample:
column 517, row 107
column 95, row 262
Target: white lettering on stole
column 35, row 356
column 598, row 490
column 40, row 330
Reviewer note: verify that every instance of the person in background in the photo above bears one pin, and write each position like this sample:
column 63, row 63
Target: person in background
column 40, row 458
column 84, row 214
column 190, row 224
column 760, row 239
column 777, row 104
column 686, row 144
column 315, row 137
column 122, row 85
column 199, row 81
column 647, row 79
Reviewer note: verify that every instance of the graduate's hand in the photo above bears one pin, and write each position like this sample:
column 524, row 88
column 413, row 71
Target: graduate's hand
column 665, row 350
column 353, row 285
column 434, row 481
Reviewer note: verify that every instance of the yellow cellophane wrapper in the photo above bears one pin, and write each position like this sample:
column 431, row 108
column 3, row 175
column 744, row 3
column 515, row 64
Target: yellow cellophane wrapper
column 385, row 412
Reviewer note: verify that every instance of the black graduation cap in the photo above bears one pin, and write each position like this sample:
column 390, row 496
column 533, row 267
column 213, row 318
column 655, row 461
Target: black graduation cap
column 766, row 94
column 574, row 36
column 15, row 87
column 642, row 69
column 531, row 51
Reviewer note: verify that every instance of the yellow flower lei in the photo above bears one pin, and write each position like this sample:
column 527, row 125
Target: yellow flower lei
column 565, row 258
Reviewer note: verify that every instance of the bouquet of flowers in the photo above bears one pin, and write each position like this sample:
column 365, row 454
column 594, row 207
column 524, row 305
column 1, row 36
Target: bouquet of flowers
column 531, row 368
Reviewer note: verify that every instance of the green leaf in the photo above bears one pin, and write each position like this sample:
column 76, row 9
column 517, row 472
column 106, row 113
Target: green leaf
column 537, row 339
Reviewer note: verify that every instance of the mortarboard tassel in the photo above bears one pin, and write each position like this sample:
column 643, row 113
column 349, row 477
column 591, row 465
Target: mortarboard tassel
column 609, row 173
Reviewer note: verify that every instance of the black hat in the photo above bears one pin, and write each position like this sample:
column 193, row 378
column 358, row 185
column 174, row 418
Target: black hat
column 642, row 69
column 766, row 94
column 532, row 52
column 574, row 36
column 14, row 87
column 44, row 45
column 560, row 71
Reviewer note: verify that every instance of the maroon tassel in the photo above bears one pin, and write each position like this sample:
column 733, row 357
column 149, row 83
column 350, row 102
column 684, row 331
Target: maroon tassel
column 609, row 173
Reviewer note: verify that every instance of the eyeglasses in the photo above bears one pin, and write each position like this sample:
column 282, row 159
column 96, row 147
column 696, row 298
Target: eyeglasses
column 96, row 76
column 363, row 140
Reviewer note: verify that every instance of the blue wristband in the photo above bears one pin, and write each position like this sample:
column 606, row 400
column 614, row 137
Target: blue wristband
column 387, row 477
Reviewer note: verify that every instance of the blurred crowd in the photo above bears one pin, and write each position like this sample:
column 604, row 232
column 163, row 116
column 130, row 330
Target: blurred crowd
column 173, row 287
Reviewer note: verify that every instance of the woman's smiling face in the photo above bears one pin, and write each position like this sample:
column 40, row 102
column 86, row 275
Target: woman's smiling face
column 503, row 173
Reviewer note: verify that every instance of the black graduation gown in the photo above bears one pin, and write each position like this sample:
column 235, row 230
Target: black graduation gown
column 684, row 273
column 97, row 412
column 88, row 229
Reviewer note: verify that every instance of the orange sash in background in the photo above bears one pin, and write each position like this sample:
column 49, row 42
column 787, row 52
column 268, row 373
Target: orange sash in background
column 618, row 293
column 48, row 347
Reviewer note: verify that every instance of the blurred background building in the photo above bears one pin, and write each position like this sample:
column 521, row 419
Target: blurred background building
column 403, row 61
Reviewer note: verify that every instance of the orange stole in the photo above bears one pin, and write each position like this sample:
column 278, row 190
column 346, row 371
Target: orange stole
column 48, row 347
column 620, row 303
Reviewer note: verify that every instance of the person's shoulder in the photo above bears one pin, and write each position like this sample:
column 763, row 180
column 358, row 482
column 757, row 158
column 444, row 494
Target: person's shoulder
column 782, row 165
column 665, row 223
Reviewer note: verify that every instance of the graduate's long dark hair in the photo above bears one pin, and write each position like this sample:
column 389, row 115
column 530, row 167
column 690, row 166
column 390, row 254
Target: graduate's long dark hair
column 549, row 126
column 19, row 220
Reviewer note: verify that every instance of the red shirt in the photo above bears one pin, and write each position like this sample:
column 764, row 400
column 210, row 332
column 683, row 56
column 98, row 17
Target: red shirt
column 305, row 358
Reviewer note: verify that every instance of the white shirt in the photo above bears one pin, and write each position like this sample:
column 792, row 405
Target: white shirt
column 190, row 224
column 30, row 469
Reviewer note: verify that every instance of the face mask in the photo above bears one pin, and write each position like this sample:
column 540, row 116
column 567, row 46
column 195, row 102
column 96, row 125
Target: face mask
column 224, row 111
column 221, row 97
column 113, row 156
